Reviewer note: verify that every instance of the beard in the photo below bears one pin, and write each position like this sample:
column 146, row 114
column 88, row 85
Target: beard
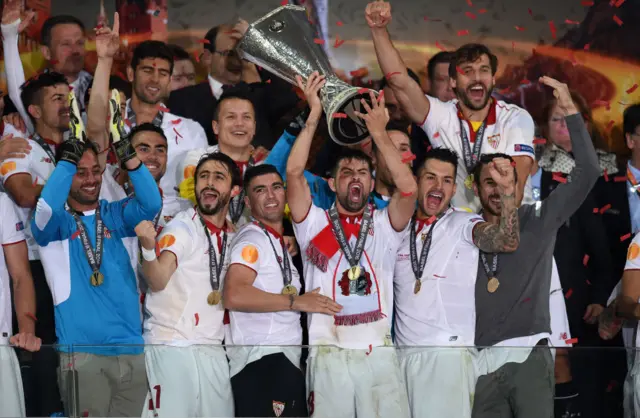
column 463, row 96
column 221, row 202
column 487, row 206
column 83, row 198
column 142, row 95
column 348, row 204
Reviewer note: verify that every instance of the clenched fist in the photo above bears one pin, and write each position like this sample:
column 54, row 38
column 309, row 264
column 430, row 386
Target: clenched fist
column 146, row 233
column 503, row 173
column 378, row 14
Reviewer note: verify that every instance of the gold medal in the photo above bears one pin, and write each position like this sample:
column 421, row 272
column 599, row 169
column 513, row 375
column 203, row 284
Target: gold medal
column 354, row 273
column 468, row 182
column 493, row 284
column 214, row 298
column 417, row 287
column 289, row 290
column 97, row 278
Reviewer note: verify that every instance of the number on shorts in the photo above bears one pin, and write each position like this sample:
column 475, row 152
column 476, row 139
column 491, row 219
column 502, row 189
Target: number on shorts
column 157, row 406
column 311, row 402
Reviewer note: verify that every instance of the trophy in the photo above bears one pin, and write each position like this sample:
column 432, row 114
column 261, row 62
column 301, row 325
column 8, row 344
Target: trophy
column 283, row 42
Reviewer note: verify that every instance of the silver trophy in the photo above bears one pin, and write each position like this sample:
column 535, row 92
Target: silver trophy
column 283, row 42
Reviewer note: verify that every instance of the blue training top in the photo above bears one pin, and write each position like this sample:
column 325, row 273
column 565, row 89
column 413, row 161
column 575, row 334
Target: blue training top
column 93, row 319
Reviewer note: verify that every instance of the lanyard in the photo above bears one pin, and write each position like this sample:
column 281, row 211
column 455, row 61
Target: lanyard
column 491, row 272
column 471, row 159
column 46, row 147
column 352, row 256
column 215, row 266
column 418, row 268
column 132, row 120
column 236, row 204
column 285, row 267
column 93, row 257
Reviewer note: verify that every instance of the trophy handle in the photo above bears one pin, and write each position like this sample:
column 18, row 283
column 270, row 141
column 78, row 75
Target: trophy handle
column 345, row 128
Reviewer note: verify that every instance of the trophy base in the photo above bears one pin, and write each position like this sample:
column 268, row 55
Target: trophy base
column 345, row 128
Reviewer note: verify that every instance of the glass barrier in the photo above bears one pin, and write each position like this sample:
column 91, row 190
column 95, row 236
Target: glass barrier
column 326, row 381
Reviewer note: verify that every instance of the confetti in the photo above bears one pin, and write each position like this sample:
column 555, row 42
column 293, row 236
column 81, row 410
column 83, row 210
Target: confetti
column 571, row 341
column 340, row 115
column 513, row 163
column 530, row 12
column 586, row 3
column 520, row 28
column 268, row 81
column 436, row 135
column 596, row 210
column 470, row 15
column 619, row 3
column 617, row 20
column 363, row 90
column 559, row 178
column 177, row 133
column 609, row 126
column 380, row 96
column 319, row 41
column 482, row 11
column 284, row 2
column 439, row 46
column 429, row 148
column 406, row 194
column 459, row 70
column 163, row 109
column 408, row 156
column 586, row 47
column 526, row 300
column 605, row 208
column 525, row 81
column 176, row 121
column 603, row 103
column 463, row 32
column 54, row 62
column 469, row 3
column 539, row 141
column 31, row 316
column 360, row 72
column 632, row 89
column 439, row 277
column 370, row 349
column 338, row 42
column 605, row 174
column 339, row 23
column 585, row 260
column 204, row 41
column 571, row 22
column 389, row 75
column 197, row 55
column 619, row 179
column 568, row 294
column 197, row 318
column 552, row 28
column 625, row 237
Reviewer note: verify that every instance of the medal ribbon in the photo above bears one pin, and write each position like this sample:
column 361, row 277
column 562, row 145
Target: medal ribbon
column 285, row 267
column 46, row 147
column 633, row 181
column 131, row 117
column 352, row 256
column 471, row 159
column 418, row 269
column 215, row 267
column 491, row 272
column 93, row 257
column 236, row 204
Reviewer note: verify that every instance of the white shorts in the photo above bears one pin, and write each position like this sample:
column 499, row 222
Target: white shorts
column 188, row 382
column 631, row 389
column 348, row 383
column 440, row 381
column 11, row 395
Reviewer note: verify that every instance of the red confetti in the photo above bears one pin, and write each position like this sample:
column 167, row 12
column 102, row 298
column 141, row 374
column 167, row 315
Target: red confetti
column 526, row 300
column 360, row 72
column 469, row 3
column 163, row 109
column 619, row 3
column 617, row 20
column 571, row 341
column 559, row 178
column 470, row 15
column 504, row 90
column 603, row 103
column 284, row 2
column 408, row 156
column 370, row 349
column 632, row 89
column 596, row 210
column 520, row 28
column 530, row 12
column 585, row 260
column 513, row 163
column 389, row 75
column 176, row 121
column 437, row 134
column 380, row 96
column 482, row 11
column 339, row 23
column 605, row 208
column 340, row 115
column 439, row 46
column 525, row 81
column 196, row 55
column 127, row 122
column 619, row 179
column 463, row 32
column 571, row 22
column 609, row 126
column 406, row 194
column 568, row 294
column 429, row 148
column 363, row 91
column 586, row 3
column 605, row 174
column 459, row 70
column 319, row 41
column 31, row 316
column 54, row 62
column 177, row 133
column 197, row 318
column 338, row 42
column 204, row 41
column 625, row 237
column 439, row 277
column 586, row 47
column 539, row 141
column 552, row 28
column 268, row 81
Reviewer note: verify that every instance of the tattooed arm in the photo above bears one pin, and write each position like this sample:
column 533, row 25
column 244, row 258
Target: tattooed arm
column 503, row 236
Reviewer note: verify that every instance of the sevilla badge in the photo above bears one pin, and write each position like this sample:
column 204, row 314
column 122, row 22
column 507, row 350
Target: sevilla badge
column 278, row 407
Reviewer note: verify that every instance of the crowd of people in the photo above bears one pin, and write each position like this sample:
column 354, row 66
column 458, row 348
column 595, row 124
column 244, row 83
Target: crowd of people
column 179, row 243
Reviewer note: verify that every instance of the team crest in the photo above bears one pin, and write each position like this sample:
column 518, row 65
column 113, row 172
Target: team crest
column 278, row 407
column 167, row 219
column 107, row 233
column 494, row 141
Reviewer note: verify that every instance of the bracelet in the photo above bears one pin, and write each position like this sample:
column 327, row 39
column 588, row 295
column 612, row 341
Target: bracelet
column 291, row 299
column 148, row 255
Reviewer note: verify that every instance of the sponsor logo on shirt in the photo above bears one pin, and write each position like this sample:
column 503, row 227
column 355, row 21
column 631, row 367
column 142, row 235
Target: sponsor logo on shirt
column 250, row 254
column 494, row 141
column 402, row 257
column 523, row 148
column 7, row 167
column 166, row 241
column 19, row 226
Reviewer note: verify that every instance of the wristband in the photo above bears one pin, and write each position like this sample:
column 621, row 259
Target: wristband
column 148, row 255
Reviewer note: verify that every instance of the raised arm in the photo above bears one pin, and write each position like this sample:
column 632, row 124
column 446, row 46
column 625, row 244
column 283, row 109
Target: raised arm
column 298, row 192
column 157, row 270
column 407, row 91
column 403, row 202
column 107, row 45
column 503, row 237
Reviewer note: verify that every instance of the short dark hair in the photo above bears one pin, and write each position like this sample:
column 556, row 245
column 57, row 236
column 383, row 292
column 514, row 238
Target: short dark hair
column 32, row 89
column 146, row 127
column 351, row 154
column 224, row 159
column 442, row 57
column 53, row 21
column 179, row 53
column 631, row 118
column 152, row 49
column 445, row 155
column 259, row 170
column 86, row 145
column 211, row 36
column 486, row 159
column 393, row 125
column 471, row 53
column 241, row 92
column 383, row 82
